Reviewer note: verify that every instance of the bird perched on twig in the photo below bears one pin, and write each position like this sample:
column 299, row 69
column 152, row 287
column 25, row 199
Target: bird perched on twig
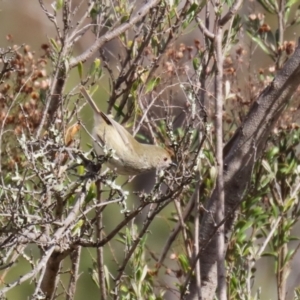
column 130, row 157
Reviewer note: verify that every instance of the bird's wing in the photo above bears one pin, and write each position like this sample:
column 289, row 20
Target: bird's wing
column 120, row 129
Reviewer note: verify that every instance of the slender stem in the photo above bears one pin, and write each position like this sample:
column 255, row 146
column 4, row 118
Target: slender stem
column 99, row 235
column 221, row 291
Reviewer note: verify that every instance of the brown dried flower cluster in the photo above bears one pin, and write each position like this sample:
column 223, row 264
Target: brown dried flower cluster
column 177, row 56
column 288, row 47
column 243, row 92
column 23, row 81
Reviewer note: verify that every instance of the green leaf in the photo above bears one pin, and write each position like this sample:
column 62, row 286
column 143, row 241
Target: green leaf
column 192, row 9
column 287, row 14
column 144, row 273
column 272, row 254
column 95, row 69
column 241, row 237
column 118, row 110
column 124, row 18
column 107, row 276
column 196, row 63
column 55, row 45
column 261, row 44
column 91, row 193
column 80, row 169
column 246, row 226
column 274, row 151
column 184, row 262
column 268, row 6
column 289, row 3
column 76, row 229
column 124, row 288
column 154, row 82
column 288, row 257
column 191, row 13
column 288, row 204
column 80, row 70
column 94, row 276
column 57, row 5
column 267, row 167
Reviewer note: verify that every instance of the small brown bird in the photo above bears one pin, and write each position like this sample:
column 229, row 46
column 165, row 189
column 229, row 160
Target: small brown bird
column 130, row 157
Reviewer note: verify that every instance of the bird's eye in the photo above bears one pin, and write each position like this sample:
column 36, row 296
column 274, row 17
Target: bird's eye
column 165, row 158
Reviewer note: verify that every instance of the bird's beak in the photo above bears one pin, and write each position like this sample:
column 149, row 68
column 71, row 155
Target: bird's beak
column 172, row 164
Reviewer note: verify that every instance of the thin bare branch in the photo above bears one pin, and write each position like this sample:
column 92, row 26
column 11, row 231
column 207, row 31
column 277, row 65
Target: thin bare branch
column 142, row 12
column 231, row 13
